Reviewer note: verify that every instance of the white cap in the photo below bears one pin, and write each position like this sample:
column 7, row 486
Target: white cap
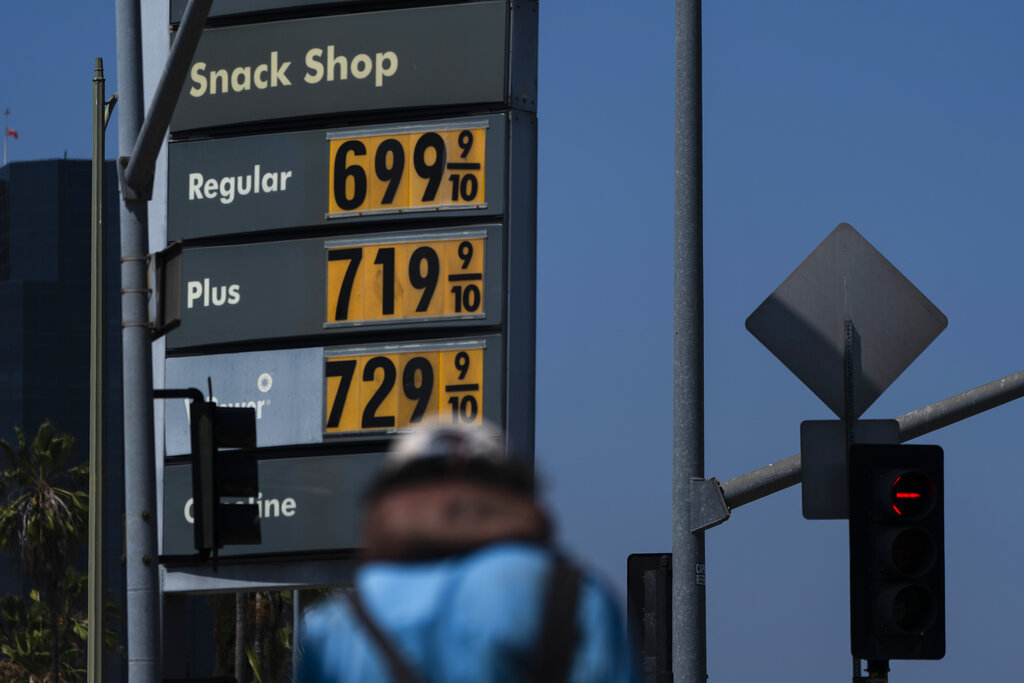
column 436, row 440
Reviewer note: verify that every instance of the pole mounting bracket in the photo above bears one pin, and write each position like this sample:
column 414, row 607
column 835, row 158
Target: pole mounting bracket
column 707, row 504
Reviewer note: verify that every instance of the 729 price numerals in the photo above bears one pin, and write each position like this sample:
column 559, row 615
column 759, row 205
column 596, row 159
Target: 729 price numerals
column 411, row 278
column 417, row 170
column 381, row 391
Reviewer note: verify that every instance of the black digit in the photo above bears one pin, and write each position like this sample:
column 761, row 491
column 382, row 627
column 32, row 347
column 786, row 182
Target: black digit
column 344, row 369
column 471, row 297
column 468, row 187
column 342, row 172
column 464, row 409
column 454, row 179
column 468, row 408
column 466, row 253
column 465, row 142
column 371, row 420
column 462, row 364
column 354, row 255
column 391, row 174
column 386, row 260
column 427, row 282
column 467, row 297
column 434, row 171
column 420, row 391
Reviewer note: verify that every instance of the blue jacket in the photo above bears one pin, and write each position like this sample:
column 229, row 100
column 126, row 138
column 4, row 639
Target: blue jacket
column 468, row 619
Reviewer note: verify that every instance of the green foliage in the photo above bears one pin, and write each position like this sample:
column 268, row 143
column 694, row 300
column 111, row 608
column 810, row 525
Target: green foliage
column 254, row 664
column 26, row 636
column 44, row 508
column 266, row 635
column 44, row 505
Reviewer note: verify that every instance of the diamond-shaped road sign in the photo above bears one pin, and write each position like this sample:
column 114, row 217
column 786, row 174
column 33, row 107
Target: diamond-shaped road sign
column 845, row 278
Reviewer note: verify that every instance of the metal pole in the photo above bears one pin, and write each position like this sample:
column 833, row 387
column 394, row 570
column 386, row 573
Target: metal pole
column 296, row 631
column 689, row 625
column 850, row 418
column 142, row 579
column 142, row 156
column 96, row 568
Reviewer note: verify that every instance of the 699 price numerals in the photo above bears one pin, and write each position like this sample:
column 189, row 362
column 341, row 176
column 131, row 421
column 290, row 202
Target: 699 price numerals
column 381, row 391
column 407, row 171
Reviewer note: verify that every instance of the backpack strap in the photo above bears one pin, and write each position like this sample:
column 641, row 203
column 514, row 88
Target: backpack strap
column 559, row 635
column 400, row 670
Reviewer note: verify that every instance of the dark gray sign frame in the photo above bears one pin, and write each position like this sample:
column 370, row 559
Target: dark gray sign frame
column 511, row 343
column 228, row 8
column 299, row 163
column 306, row 504
column 419, row 57
column 276, row 290
column 298, row 420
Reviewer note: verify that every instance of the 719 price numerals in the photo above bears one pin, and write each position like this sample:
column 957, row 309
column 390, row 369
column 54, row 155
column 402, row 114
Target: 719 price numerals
column 392, row 390
column 420, row 170
column 412, row 278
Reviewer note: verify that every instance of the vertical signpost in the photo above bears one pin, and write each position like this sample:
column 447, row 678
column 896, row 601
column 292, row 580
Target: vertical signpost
column 354, row 194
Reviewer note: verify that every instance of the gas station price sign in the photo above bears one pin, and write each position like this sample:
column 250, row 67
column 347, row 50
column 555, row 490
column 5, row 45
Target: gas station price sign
column 415, row 168
column 396, row 386
column 414, row 277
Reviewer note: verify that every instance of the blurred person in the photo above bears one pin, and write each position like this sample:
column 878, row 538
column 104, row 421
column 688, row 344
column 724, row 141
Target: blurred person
column 460, row 582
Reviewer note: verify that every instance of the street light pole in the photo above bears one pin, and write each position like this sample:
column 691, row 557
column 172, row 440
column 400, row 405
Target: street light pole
column 689, row 623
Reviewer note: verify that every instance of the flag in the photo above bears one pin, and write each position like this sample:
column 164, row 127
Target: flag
column 13, row 133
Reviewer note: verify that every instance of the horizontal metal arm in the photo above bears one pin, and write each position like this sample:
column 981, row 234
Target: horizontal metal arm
column 193, row 394
column 961, row 406
column 762, row 482
column 785, row 473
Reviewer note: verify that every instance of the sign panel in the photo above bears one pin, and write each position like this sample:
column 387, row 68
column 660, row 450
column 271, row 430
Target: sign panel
column 845, row 278
column 387, row 387
column 385, row 171
column 305, row 504
column 380, row 279
column 823, row 466
column 301, row 288
column 417, row 292
column 431, row 56
column 303, row 395
column 280, row 385
column 309, row 178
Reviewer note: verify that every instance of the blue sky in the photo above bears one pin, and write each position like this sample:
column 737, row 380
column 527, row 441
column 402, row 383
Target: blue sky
column 902, row 119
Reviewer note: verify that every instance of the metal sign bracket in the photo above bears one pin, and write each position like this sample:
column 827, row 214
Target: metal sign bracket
column 707, row 504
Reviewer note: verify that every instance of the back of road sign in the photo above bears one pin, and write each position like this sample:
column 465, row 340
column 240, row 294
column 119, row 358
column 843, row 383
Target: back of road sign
column 845, row 278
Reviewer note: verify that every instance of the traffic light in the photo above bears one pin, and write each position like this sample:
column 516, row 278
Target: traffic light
column 216, row 475
column 897, row 571
column 649, row 612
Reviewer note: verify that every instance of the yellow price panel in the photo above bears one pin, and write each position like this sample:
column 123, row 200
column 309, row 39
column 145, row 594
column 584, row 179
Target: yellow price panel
column 413, row 277
column 374, row 391
column 407, row 170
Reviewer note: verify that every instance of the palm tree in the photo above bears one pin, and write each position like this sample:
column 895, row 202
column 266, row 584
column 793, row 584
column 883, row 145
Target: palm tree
column 43, row 514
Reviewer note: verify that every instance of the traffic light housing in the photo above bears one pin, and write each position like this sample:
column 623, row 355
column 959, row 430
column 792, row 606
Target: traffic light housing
column 649, row 612
column 897, row 568
column 218, row 474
